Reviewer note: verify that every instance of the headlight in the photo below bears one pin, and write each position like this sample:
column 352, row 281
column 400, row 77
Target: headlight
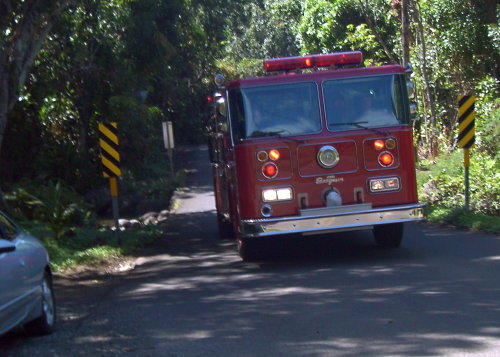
column 277, row 194
column 384, row 184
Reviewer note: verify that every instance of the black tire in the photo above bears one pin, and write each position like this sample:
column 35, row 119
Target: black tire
column 46, row 322
column 226, row 230
column 248, row 250
column 388, row 235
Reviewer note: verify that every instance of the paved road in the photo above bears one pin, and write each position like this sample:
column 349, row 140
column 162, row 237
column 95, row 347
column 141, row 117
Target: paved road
column 438, row 295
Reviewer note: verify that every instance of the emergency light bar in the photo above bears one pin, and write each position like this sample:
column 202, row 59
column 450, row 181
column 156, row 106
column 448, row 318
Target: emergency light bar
column 324, row 60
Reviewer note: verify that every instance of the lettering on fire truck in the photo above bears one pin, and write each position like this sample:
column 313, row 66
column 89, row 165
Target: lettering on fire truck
column 321, row 144
column 328, row 180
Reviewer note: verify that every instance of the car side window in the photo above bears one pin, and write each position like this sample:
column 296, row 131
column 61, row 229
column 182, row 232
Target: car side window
column 7, row 229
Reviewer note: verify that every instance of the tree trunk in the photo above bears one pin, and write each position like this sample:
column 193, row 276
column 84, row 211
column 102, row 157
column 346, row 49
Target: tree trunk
column 83, row 147
column 489, row 11
column 405, row 33
column 31, row 26
column 4, row 102
column 422, row 52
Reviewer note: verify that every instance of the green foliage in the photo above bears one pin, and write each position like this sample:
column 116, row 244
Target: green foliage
column 462, row 217
column 342, row 25
column 445, row 186
column 488, row 133
column 160, row 188
column 324, row 23
column 59, row 207
column 456, row 49
column 90, row 245
column 488, row 116
column 247, row 67
column 100, row 60
column 361, row 36
column 140, row 133
column 270, row 30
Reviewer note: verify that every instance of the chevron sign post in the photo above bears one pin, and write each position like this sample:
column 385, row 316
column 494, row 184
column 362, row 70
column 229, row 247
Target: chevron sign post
column 110, row 157
column 466, row 134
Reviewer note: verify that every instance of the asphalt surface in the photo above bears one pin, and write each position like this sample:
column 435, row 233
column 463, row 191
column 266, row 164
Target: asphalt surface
column 337, row 295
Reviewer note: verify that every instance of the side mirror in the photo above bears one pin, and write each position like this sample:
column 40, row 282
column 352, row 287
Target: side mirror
column 223, row 127
column 413, row 111
column 220, row 80
column 6, row 246
column 409, row 68
column 221, row 106
column 410, row 88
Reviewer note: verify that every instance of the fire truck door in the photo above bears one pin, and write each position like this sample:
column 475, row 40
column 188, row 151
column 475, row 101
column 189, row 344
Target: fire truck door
column 221, row 167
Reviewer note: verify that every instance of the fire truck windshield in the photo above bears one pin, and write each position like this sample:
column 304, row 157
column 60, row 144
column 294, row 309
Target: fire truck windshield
column 275, row 110
column 368, row 102
column 293, row 109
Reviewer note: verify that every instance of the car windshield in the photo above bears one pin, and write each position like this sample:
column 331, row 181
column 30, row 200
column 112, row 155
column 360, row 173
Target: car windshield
column 368, row 102
column 275, row 110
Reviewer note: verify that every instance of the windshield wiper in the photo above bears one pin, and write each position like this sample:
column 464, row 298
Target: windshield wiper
column 358, row 124
column 258, row 134
column 276, row 134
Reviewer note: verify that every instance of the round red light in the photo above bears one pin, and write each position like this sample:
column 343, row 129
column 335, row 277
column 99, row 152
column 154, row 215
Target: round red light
column 274, row 154
column 386, row 159
column 378, row 144
column 270, row 170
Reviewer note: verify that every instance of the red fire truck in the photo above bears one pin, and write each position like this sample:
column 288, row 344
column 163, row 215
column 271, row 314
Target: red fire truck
column 321, row 145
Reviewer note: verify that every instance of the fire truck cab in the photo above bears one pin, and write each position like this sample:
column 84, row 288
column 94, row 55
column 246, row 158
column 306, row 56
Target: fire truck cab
column 324, row 145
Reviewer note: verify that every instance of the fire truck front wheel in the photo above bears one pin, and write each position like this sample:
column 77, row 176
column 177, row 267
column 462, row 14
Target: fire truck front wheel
column 248, row 250
column 226, row 230
column 388, row 235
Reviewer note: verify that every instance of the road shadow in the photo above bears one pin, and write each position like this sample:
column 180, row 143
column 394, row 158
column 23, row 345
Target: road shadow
column 331, row 295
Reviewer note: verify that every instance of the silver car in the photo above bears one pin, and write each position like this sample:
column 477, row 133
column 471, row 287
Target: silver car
column 26, row 293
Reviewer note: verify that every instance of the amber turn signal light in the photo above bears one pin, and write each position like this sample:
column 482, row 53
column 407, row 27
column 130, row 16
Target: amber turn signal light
column 274, row 154
column 378, row 144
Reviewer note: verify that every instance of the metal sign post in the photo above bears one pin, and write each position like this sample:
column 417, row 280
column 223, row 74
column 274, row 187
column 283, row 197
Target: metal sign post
column 113, row 184
column 466, row 134
column 108, row 141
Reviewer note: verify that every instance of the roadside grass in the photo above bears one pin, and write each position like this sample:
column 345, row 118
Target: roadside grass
column 461, row 217
column 452, row 211
column 91, row 245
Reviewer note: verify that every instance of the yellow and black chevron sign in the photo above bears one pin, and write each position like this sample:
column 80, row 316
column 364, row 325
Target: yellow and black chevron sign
column 108, row 141
column 466, row 115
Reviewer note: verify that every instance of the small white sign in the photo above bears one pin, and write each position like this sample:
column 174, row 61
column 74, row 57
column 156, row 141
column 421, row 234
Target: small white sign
column 168, row 135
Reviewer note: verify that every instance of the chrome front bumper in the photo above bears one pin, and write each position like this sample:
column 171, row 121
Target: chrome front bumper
column 331, row 219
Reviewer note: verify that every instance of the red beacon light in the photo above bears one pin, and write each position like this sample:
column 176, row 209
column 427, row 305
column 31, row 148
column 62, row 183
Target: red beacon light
column 270, row 170
column 386, row 159
column 321, row 60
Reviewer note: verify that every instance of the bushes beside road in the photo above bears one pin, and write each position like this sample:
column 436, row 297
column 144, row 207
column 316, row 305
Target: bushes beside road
column 442, row 188
column 76, row 231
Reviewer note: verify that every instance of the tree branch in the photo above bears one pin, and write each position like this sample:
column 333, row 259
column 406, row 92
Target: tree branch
column 27, row 40
column 379, row 38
